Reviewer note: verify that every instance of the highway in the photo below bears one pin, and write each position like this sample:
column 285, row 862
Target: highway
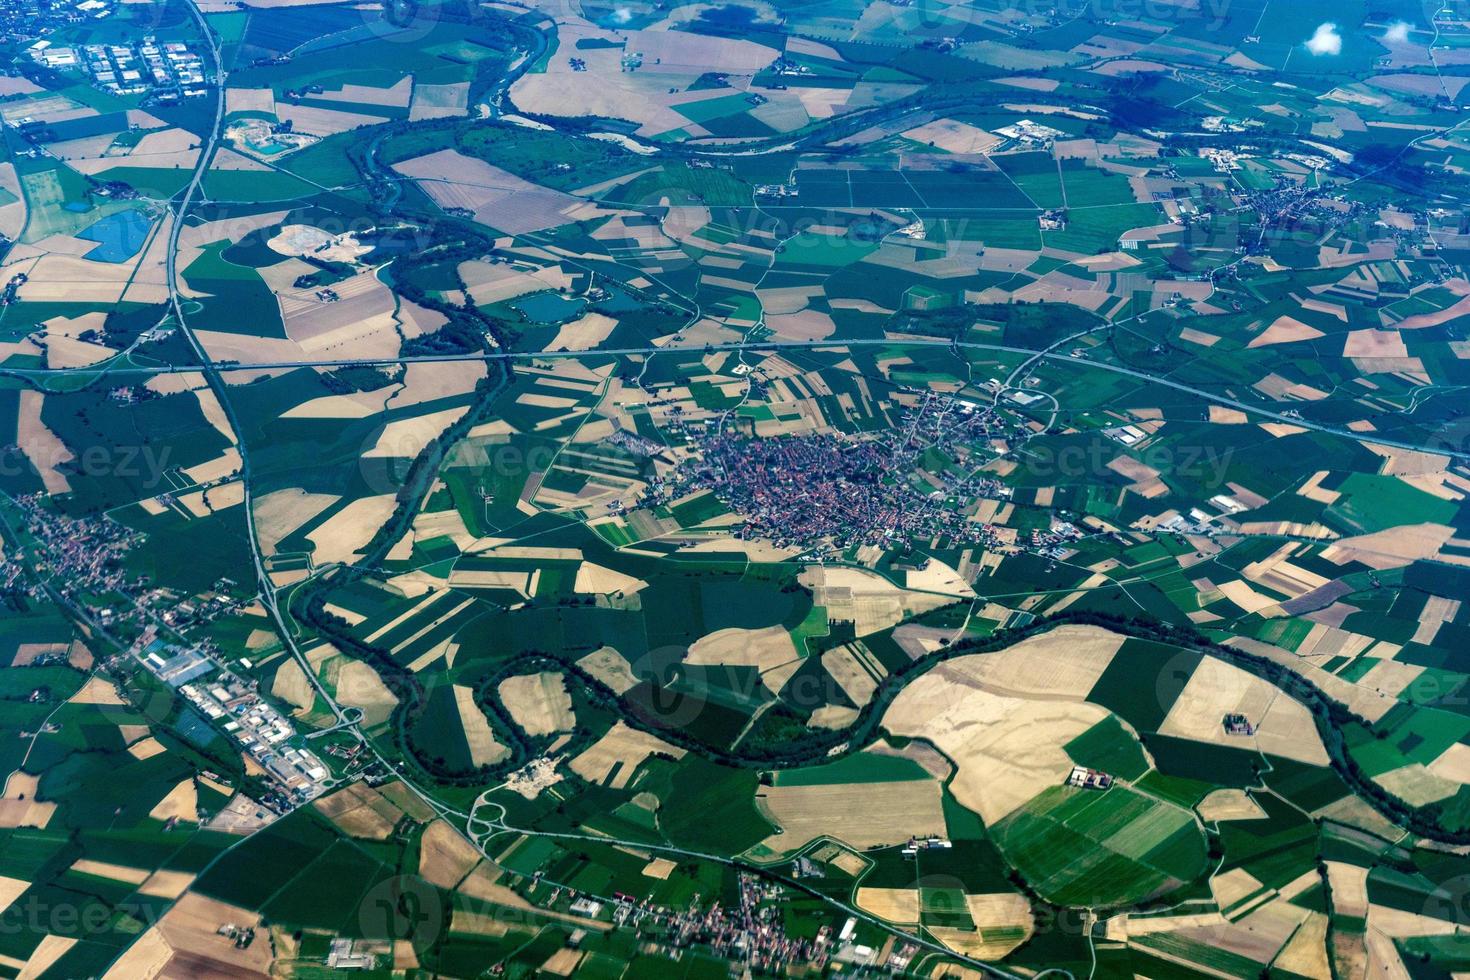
column 215, row 372
column 214, row 369
column 211, row 371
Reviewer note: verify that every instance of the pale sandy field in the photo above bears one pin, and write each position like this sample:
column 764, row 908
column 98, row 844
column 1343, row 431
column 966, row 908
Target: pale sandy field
column 539, row 703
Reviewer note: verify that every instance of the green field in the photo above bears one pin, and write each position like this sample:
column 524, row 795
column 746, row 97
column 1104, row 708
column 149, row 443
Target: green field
column 1113, row 847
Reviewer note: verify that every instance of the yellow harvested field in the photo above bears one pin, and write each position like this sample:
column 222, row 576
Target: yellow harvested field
column 439, row 101
column 202, row 503
column 484, row 748
column 357, row 685
column 856, row 673
column 1312, row 489
column 167, row 884
column 12, row 215
column 445, row 857
column 116, row 872
column 145, row 959
column 1355, row 812
column 832, row 717
column 1284, row 330
column 610, row 667
column 1392, row 547
column 1437, row 611
column 497, row 197
column 1416, row 785
column 1233, row 886
column 42, row 446
column 223, row 465
column 936, row 576
column 443, row 523
column 1239, row 592
column 659, row 868
column 539, row 703
column 323, row 122
column 353, row 406
column 1453, row 764
column 293, row 686
column 583, row 333
column 1007, row 914
column 1284, row 726
column 47, row 952
column 19, row 806
column 1005, row 749
column 339, row 537
column 146, row 748
column 1229, row 804
column 1278, row 573
column 97, row 690
column 861, row 815
column 763, row 649
column 396, row 95
column 564, row 962
column 492, row 578
column 406, row 438
column 1062, row 663
column 280, row 512
column 1198, row 337
column 69, row 352
column 546, row 401
column 953, row 136
column 1305, row 954
column 361, row 811
column 897, row 905
column 422, row 383
column 598, row 580
column 214, row 413
column 673, row 58
column 10, row 890
column 618, row 753
column 191, row 929
column 181, row 803
column 1348, row 884
column 1390, row 676
column 250, row 100
column 27, row 653
column 1374, row 343
column 865, row 598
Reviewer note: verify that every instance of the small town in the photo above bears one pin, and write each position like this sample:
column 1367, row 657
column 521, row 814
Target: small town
column 80, row 561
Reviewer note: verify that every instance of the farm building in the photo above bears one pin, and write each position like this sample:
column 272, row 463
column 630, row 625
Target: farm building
column 1085, row 778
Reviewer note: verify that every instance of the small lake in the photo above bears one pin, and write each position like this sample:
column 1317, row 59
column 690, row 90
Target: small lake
column 118, row 236
column 548, row 307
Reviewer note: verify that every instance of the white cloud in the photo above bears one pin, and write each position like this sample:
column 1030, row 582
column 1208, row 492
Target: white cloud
column 1397, row 33
column 1325, row 40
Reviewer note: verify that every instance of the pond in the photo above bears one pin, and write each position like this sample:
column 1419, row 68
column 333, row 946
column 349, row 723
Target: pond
column 548, row 307
column 118, row 236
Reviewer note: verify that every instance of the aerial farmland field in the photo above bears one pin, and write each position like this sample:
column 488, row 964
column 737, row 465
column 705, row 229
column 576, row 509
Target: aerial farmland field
column 629, row 490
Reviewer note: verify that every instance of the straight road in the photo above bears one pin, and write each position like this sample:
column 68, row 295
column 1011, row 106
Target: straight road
column 215, row 369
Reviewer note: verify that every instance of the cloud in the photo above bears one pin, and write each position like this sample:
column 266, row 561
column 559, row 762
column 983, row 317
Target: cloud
column 1325, row 40
column 1397, row 33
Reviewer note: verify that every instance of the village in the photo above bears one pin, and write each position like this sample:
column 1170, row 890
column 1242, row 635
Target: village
column 80, row 562
column 918, row 481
